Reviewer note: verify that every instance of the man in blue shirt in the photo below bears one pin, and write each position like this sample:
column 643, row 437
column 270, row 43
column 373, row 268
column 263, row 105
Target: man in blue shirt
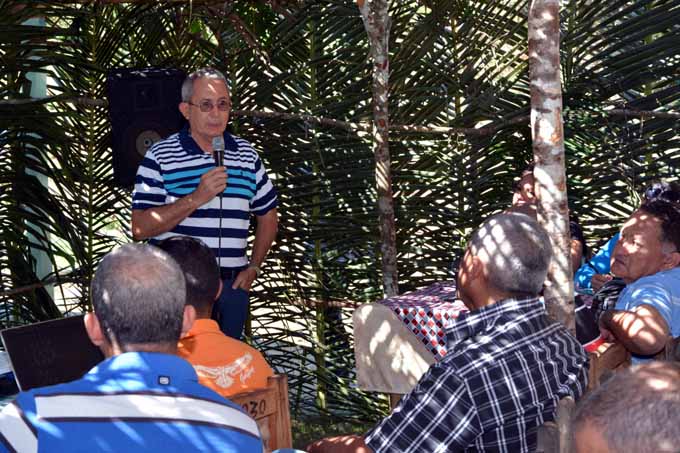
column 647, row 257
column 142, row 397
column 595, row 272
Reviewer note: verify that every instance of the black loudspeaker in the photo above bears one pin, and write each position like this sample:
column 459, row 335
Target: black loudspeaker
column 143, row 106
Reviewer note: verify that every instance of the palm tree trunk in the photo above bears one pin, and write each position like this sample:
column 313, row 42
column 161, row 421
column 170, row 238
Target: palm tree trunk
column 377, row 24
column 548, row 145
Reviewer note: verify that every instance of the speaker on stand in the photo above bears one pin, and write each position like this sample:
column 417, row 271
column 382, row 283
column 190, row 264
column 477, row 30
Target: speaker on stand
column 143, row 107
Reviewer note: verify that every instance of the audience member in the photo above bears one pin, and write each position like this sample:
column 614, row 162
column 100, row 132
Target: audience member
column 224, row 364
column 595, row 272
column 523, row 190
column 142, row 397
column 636, row 411
column 507, row 364
column 646, row 258
column 523, row 195
column 524, row 202
column 580, row 252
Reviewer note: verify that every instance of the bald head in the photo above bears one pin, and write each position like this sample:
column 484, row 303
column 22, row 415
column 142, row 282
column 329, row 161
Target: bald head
column 138, row 294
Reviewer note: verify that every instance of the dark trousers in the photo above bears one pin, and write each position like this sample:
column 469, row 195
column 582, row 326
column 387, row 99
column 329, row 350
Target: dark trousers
column 231, row 309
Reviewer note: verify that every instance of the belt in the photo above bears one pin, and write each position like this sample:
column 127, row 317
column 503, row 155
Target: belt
column 231, row 273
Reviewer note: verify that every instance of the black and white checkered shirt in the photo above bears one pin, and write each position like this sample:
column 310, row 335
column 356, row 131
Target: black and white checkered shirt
column 506, row 368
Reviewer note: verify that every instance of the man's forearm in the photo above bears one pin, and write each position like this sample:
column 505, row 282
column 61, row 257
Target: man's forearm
column 151, row 222
column 265, row 233
column 340, row 444
column 640, row 332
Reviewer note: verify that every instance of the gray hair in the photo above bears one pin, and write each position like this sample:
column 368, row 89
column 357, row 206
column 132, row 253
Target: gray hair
column 203, row 73
column 138, row 294
column 516, row 251
column 638, row 409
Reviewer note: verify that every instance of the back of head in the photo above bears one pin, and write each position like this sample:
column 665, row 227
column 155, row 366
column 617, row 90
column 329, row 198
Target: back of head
column 200, row 269
column 516, row 250
column 138, row 294
column 637, row 410
column 669, row 215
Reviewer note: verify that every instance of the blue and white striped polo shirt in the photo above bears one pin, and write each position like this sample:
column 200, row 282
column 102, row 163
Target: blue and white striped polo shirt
column 136, row 401
column 173, row 167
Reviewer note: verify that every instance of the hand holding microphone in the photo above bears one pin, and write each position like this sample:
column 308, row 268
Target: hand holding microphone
column 218, row 150
column 214, row 181
column 218, row 155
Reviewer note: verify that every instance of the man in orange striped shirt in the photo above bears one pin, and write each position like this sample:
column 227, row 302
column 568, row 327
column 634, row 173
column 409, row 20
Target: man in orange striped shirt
column 222, row 363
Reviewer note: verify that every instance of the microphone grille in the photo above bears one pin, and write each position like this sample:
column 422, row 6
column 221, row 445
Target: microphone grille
column 218, row 143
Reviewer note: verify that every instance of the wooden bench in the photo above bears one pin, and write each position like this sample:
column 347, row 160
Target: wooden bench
column 607, row 359
column 556, row 436
column 269, row 407
column 612, row 357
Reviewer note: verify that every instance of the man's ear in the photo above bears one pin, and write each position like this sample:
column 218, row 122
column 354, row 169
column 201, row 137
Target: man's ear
column 477, row 268
column 184, row 108
column 94, row 330
column 188, row 318
column 220, row 287
column 670, row 260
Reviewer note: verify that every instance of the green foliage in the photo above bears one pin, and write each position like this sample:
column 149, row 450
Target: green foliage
column 461, row 64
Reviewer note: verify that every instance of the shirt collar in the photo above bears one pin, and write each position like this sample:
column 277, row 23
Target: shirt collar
column 188, row 142
column 203, row 325
column 474, row 322
column 145, row 364
column 191, row 147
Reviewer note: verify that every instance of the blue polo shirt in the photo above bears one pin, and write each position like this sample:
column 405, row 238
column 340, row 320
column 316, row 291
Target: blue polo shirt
column 661, row 291
column 172, row 168
column 131, row 402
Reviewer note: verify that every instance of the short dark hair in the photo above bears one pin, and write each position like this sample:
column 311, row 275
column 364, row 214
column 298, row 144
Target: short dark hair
column 528, row 170
column 138, row 293
column 638, row 409
column 200, row 269
column 662, row 190
column 669, row 215
column 577, row 234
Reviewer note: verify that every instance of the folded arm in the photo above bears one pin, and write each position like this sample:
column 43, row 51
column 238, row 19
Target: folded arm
column 642, row 331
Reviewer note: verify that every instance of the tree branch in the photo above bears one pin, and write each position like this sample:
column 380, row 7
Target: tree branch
column 364, row 126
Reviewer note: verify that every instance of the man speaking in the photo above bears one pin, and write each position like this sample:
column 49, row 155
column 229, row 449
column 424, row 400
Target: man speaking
column 184, row 188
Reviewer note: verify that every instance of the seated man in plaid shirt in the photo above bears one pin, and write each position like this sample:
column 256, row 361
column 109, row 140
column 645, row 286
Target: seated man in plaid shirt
column 507, row 364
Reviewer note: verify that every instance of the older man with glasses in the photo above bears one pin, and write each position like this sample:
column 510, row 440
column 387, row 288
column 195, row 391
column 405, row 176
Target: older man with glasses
column 182, row 190
column 647, row 257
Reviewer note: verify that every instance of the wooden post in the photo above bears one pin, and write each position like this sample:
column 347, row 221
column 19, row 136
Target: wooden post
column 377, row 24
column 548, row 145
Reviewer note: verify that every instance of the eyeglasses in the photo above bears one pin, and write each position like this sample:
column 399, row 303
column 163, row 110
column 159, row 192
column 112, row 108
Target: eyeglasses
column 206, row 105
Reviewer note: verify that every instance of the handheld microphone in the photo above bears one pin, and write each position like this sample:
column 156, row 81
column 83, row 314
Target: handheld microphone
column 218, row 155
column 218, row 150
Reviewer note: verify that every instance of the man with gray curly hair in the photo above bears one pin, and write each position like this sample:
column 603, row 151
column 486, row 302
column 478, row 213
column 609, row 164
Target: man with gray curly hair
column 507, row 364
column 516, row 254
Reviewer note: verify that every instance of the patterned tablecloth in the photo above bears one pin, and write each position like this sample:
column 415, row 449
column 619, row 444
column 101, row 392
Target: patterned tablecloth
column 427, row 312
